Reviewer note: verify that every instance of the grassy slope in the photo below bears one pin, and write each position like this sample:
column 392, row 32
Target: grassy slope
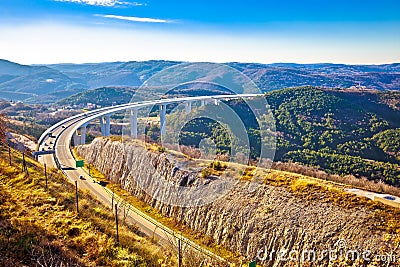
column 39, row 226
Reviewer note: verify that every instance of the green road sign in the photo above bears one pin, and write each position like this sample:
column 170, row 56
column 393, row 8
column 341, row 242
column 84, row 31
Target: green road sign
column 79, row 163
column 252, row 264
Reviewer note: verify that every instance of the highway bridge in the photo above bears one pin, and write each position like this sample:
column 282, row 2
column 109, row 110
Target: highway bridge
column 59, row 137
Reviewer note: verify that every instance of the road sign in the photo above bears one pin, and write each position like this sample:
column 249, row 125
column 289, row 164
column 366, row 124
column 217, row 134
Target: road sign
column 253, row 264
column 79, row 163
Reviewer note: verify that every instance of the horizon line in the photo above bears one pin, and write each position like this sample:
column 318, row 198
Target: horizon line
column 184, row 61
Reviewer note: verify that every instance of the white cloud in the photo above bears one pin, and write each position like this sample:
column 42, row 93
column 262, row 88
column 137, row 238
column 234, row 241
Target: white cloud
column 106, row 3
column 137, row 19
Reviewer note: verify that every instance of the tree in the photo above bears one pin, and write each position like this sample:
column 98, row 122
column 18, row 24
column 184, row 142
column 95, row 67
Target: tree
column 3, row 128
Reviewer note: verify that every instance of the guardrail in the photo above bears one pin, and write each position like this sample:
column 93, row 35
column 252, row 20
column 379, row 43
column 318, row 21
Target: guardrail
column 58, row 124
column 109, row 110
column 114, row 109
column 388, row 202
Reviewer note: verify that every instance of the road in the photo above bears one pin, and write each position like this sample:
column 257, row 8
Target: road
column 61, row 140
column 386, row 199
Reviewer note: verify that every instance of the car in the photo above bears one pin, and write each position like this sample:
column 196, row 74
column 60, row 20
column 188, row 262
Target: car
column 390, row 197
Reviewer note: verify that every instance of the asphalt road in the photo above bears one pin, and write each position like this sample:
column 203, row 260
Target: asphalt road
column 61, row 142
column 67, row 162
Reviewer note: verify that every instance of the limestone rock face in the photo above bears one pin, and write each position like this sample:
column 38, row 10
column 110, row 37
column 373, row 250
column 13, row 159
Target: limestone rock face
column 269, row 219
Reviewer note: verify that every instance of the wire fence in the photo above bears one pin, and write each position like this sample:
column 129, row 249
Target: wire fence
column 188, row 250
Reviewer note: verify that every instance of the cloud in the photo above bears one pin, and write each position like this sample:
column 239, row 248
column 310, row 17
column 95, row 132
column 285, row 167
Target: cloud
column 137, row 19
column 105, row 3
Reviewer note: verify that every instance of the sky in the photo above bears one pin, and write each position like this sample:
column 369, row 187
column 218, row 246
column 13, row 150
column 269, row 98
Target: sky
column 300, row 31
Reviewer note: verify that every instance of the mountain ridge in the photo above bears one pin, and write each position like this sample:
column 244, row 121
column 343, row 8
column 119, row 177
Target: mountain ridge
column 32, row 83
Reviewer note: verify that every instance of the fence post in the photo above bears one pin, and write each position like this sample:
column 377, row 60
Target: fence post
column 112, row 200
column 24, row 167
column 45, row 174
column 116, row 221
column 179, row 253
column 76, row 197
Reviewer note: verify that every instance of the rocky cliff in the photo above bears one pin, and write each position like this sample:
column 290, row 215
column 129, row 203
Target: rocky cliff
column 270, row 219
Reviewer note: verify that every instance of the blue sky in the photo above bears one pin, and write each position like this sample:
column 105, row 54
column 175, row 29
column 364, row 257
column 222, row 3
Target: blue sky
column 309, row 31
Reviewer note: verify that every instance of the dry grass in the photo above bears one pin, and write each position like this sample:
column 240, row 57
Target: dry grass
column 306, row 187
column 361, row 183
column 42, row 227
column 171, row 223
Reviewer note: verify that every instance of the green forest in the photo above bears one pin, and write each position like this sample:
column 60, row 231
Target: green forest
column 340, row 132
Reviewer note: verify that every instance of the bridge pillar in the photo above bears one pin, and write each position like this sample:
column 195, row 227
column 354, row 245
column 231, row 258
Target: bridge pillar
column 107, row 126
column 188, row 106
column 133, row 121
column 203, row 102
column 163, row 118
column 102, row 126
column 77, row 139
column 83, row 135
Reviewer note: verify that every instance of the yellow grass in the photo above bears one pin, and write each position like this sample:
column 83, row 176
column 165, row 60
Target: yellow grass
column 37, row 225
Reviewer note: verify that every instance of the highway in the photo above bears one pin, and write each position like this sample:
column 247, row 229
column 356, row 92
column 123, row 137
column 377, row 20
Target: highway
column 67, row 162
column 60, row 141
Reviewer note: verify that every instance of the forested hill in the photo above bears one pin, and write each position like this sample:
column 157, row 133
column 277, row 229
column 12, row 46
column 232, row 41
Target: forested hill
column 341, row 132
column 104, row 96
column 338, row 131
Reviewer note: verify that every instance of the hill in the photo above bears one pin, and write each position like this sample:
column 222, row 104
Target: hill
column 105, row 96
column 38, row 83
column 21, row 82
column 40, row 227
column 108, row 96
column 337, row 131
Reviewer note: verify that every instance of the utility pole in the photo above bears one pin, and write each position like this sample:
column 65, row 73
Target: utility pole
column 9, row 154
column 76, row 197
column 116, row 221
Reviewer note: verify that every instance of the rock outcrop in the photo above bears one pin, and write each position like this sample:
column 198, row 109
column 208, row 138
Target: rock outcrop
column 266, row 220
